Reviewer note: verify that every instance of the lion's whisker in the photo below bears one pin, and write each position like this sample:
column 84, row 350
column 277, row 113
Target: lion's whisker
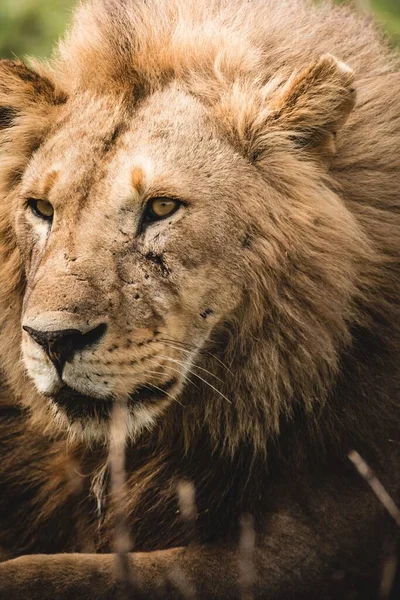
column 152, row 385
column 196, row 366
column 196, row 375
column 185, row 377
column 188, row 345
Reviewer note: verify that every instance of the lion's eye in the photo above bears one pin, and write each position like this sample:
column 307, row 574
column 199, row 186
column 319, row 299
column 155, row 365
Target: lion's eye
column 159, row 208
column 41, row 209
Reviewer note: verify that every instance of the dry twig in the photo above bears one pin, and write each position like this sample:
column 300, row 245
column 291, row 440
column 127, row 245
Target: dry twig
column 188, row 512
column 376, row 486
column 391, row 562
column 122, row 541
column 246, row 557
column 187, row 508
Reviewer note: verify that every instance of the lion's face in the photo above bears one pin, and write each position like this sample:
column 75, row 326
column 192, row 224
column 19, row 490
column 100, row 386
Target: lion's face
column 131, row 227
column 137, row 231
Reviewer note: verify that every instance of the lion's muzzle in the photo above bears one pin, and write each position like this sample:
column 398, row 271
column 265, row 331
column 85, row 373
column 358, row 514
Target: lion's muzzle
column 83, row 364
column 62, row 344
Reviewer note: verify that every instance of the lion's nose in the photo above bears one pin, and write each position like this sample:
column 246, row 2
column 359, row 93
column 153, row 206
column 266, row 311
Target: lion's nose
column 60, row 346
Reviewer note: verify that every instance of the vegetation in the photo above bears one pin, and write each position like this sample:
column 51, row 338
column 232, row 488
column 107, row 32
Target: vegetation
column 31, row 27
column 388, row 12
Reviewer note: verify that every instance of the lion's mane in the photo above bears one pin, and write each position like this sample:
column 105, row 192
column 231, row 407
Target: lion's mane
column 324, row 337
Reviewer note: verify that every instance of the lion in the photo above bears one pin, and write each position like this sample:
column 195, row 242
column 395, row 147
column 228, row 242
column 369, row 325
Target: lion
column 200, row 280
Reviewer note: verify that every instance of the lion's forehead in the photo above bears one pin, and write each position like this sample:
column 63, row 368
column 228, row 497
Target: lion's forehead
column 171, row 139
column 99, row 181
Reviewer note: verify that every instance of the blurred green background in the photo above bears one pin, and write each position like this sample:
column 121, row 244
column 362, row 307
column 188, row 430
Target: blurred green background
column 32, row 26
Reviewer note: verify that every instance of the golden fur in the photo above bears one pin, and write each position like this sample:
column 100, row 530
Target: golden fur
column 269, row 300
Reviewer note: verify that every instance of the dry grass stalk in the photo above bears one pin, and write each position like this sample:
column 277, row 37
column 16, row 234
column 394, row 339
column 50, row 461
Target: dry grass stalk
column 187, row 507
column 391, row 562
column 188, row 511
column 116, row 458
column 181, row 583
column 388, row 576
column 376, row 486
column 246, row 557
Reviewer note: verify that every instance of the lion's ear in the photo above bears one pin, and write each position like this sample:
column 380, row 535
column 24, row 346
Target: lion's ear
column 24, row 92
column 314, row 104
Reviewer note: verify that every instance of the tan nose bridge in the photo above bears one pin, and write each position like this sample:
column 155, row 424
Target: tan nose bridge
column 75, row 289
column 62, row 320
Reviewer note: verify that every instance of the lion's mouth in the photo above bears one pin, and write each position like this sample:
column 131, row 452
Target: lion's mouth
column 79, row 406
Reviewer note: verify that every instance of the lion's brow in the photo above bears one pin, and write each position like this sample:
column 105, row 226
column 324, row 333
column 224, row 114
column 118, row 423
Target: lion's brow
column 50, row 180
column 42, row 189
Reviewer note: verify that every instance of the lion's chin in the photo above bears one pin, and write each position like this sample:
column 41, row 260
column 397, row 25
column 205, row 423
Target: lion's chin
column 87, row 409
